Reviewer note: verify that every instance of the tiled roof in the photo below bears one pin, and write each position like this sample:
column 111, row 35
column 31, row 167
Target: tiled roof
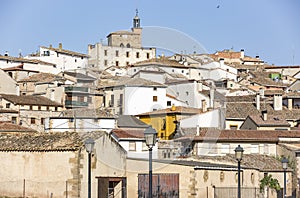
column 163, row 61
column 79, row 76
column 131, row 82
column 30, row 100
column 271, row 121
column 18, row 68
column 249, row 161
column 9, row 127
column 177, row 110
column 24, row 60
column 42, row 142
column 250, row 59
column 129, row 121
column 41, row 77
column 122, row 32
column 8, row 110
column 228, row 54
column 64, row 51
column 86, row 113
column 240, row 110
column 216, row 135
column 127, row 133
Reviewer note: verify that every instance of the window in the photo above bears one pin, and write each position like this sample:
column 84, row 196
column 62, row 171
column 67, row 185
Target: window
column 117, row 53
column 81, row 98
column 30, row 107
column 117, row 63
column 137, row 55
column 39, row 108
column 10, row 74
column 154, row 98
column 56, row 109
column 154, row 88
column 132, row 146
column 148, row 55
column 89, row 99
column 168, row 103
column 14, row 120
column 105, row 52
column 182, row 71
column 105, row 62
column 7, row 105
column 187, row 93
column 233, row 127
column 127, row 63
column 32, row 120
column 121, row 45
column 127, row 54
column 42, row 121
column 128, row 45
column 48, row 108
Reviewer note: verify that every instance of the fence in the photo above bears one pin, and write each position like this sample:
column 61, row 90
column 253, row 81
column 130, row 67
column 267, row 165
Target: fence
column 231, row 192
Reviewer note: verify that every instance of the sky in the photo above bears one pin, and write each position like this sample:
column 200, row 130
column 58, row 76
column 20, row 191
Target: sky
column 267, row 28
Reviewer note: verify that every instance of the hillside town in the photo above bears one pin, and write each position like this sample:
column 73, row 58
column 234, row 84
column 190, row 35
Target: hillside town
column 200, row 108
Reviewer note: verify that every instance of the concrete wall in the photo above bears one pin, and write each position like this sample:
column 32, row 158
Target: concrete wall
column 196, row 183
column 45, row 173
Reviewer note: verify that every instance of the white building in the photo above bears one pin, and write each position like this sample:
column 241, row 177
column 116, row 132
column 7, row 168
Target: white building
column 63, row 59
column 132, row 96
column 123, row 48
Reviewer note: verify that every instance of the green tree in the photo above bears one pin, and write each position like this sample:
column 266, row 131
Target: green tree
column 270, row 182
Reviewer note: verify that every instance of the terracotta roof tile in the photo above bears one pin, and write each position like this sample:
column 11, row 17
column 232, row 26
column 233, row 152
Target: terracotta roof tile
column 9, row 127
column 40, row 142
column 30, row 100
column 177, row 110
column 25, row 60
column 160, row 61
column 41, row 77
column 127, row 133
column 271, row 121
column 64, row 51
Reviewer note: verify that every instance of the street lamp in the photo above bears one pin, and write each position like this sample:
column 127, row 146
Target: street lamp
column 150, row 138
column 239, row 156
column 284, row 162
column 89, row 146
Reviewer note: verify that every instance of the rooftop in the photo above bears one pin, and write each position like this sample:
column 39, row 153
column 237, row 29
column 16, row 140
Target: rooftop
column 42, row 142
column 64, row 51
column 41, row 77
column 174, row 110
column 29, row 100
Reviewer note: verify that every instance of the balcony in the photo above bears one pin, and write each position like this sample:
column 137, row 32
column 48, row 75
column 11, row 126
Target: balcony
column 71, row 103
column 76, row 89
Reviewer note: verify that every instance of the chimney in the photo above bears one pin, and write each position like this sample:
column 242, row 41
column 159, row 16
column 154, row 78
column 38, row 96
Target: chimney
column 18, row 90
column 290, row 104
column 221, row 61
column 60, row 45
column 212, row 96
column 52, row 95
column 264, row 115
column 242, row 53
column 257, row 101
column 173, row 108
column 277, row 102
column 198, row 130
column 262, row 92
column 257, row 57
column 204, row 107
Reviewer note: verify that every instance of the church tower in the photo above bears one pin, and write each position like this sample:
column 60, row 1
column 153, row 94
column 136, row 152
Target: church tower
column 137, row 23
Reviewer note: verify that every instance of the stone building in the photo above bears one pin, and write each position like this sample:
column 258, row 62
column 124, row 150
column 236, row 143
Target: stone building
column 123, row 48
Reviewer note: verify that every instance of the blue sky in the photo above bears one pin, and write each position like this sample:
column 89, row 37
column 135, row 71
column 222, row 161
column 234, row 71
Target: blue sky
column 268, row 28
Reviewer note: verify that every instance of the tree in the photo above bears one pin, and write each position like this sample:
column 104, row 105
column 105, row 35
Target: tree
column 270, row 182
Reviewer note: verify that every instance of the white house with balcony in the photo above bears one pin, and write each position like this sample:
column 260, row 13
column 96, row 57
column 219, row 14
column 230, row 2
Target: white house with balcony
column 133, row 96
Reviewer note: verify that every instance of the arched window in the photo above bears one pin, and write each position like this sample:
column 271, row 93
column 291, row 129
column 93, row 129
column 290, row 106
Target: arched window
column 128, row 45
column 121, row 45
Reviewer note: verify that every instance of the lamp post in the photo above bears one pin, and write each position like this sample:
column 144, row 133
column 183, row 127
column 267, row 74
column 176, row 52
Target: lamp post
column 89, row 146
column 284, row 162
column 239, row 156
column 150, row 138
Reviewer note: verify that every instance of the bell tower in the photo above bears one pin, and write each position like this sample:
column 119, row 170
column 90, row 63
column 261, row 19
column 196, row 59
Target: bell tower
column 137, row 23
column 136, row 20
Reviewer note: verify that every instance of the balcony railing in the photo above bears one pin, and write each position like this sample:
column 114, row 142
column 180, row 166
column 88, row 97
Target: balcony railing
column 77, row 89
column 71, row 103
